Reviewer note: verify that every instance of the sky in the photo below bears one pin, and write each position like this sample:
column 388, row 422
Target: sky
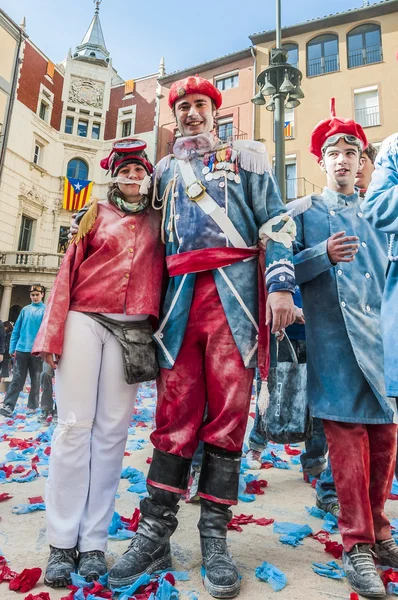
column 138, row 34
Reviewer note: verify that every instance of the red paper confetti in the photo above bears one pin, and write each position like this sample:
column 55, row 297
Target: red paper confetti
column 134, row 521
column 148, row 460
column 26, row 580
column 127, row 454
column 22, row 444
column 334, row 548
column 267, row 465
column 40, row 596
column 6, row 574
column 36, row 500
column 4, row 497
column 292, row 451
column 19, row 469
column 322, row 536
column 255, row 487
column 7, row 470
column 47, row 451
column 389, row 575
column 314, row 482
column 238, row 520
column 354, row 596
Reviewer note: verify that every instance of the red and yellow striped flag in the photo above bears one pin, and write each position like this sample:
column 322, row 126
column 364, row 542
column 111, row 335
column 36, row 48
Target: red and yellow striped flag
column 77, row 193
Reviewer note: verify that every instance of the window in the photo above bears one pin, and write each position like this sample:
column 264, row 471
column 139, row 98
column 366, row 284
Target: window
column 292, row 54
column 291, row 179
column 364, row 45
column 367, row 112
column 63, row 240
column 69, row 124
column 226, row 82
column 25, row 235
column 37, row 153
column 82, row 127
column 96, row 130
column 43, row 111
column 77, row 169
column 322, row 55
column 126, row 128
column 225, row 130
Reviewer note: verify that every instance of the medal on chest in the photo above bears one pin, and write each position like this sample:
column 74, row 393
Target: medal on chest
column 220, row 164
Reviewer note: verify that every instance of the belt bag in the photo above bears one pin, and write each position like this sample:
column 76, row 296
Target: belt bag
column 138, row 347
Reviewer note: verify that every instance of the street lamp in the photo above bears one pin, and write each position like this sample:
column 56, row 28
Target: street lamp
column 282, row 82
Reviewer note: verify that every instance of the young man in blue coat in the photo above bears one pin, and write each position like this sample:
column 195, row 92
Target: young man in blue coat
column 217, row 199
column 340, row 263
column 22, row 339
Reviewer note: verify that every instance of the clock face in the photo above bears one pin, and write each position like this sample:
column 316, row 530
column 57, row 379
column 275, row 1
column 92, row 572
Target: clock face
column 130, row 145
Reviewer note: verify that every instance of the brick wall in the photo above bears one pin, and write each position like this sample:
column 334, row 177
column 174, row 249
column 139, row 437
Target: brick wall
column 33, row 73
column 145, row 100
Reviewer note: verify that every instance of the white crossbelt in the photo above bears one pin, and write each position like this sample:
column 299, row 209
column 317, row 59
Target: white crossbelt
column 211, row 208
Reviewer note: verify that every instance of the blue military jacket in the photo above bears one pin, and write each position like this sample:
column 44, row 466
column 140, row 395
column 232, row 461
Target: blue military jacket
column 249, row 201
column 342, row 311
column 380, row 207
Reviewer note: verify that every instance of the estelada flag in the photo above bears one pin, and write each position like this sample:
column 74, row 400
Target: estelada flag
column 77, row 193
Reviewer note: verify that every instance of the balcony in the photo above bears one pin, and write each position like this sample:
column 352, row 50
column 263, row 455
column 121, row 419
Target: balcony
column 368, row 117
column 322, row 65
column 365, row 56
column 299, row 187
column 36, row 262
column 231, row 134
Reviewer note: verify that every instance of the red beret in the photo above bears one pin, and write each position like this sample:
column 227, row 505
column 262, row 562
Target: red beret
column 334, row 126
column 194, row 85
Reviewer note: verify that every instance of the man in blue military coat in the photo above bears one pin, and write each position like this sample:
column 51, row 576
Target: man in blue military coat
column 340, row 263
column 217, row 199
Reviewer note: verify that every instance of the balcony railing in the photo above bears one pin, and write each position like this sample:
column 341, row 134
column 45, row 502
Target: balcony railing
column 365, row 56
column 368, row 117
column 299, row 187
column 320, row 66
column 36, row 261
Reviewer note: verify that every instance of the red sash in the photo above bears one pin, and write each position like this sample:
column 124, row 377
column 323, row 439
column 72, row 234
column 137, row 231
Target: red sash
column 208, row 259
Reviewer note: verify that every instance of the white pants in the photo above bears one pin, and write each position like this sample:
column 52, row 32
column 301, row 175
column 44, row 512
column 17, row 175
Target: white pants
column 95, row 405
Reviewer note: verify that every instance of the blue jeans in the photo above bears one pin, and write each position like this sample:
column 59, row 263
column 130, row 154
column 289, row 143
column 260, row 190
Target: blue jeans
column 315, row 448
column 325, row 488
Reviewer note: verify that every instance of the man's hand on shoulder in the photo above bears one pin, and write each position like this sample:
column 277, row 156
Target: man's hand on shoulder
column 280, row 310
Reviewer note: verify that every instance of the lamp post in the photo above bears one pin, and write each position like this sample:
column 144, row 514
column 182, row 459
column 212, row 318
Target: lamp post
column 282, row 82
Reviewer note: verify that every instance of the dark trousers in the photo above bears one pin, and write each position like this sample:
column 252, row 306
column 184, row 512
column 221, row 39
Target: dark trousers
column 25, row 362
column 46, row 403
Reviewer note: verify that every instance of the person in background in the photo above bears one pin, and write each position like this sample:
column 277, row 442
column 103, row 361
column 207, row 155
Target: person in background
column 22, row 340
column 47, row 404
column 5, row 365
column 2, row 343
column 366, row 169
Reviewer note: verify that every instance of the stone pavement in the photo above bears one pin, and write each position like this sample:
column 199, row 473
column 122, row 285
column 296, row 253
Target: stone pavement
column 23, row 543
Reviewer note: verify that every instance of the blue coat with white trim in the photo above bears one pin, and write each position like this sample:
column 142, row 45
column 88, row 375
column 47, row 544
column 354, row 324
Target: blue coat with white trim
column 380, row 207
column 249, row 204
column 342, row 312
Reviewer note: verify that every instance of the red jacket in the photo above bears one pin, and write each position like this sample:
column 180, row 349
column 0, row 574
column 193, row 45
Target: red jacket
column 117, row 267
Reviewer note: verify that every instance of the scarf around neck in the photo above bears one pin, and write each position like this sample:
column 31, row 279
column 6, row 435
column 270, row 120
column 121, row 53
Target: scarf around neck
column 127, row 207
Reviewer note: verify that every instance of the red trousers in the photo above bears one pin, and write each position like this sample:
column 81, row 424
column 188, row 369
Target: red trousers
column 363, row 462
column 208, row 371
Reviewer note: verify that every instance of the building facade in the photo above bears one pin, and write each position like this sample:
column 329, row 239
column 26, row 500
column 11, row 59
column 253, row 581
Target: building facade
column 233, row 75
column 64, row 120
column 350, row 56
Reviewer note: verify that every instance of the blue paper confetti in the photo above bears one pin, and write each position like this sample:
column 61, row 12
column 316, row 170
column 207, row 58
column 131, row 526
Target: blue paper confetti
column 272, row 575
column 330, row 569
column 23, row 509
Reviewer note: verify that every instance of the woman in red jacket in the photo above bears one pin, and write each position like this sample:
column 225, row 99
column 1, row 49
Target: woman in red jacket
column 97, row 334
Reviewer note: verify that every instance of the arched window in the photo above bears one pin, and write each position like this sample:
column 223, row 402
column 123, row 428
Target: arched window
column 364, row 45
column 77, row 169
column 323, row 55
column 292, row 56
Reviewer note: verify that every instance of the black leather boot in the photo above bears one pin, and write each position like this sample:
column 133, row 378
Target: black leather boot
column 218, row 485
column 149, row 550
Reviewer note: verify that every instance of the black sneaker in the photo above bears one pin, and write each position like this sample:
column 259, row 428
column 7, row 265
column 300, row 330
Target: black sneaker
column 6, row 411
column 92, row 565
column 387, row 553
column 61, row 564
column 42, row 418
column 329, row 507
column 221, row 577
column 361, row 572
column 143, row 556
